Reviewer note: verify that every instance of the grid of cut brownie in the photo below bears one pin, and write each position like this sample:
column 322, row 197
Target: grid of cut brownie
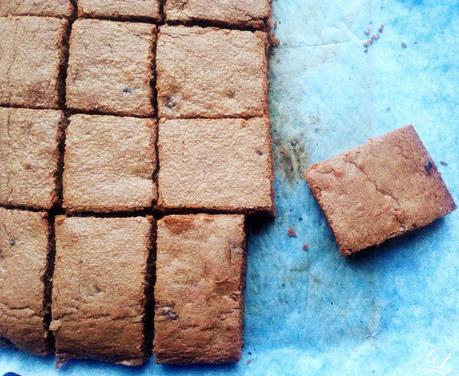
column 116, row 115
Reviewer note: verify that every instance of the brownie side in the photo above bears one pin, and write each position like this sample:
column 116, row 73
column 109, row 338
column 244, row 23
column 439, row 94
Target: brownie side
column 200, row 269
column 47, row 8
column 379, row 190
column 233, row 84
column 23, row 247
column 110, row 67
column 109, row 163
column 99, row 285
column 32, row 54
column 29, row 141
column 124, row 9
column 222, row 164
column 255, row 14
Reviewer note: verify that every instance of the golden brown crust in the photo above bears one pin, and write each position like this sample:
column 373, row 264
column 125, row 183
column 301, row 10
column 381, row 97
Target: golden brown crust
column 32, row 53
column 109, row 164
column 222, row 164
column 110, row 67
column 234, row 82
column 98, row 292
column 255, row 14
column 379, row 190
column 200, row 269
column 29, row 155
column 23, row 247
column 49, row 8
column 125, row 9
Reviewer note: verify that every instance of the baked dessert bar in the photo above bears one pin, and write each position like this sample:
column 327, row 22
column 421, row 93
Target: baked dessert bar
column 200, row 268
column 109, row 163
column 24, row 279
column 379, row 190
column 98, row 304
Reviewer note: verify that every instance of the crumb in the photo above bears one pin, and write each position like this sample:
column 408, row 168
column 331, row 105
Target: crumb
column 248, row 362
column 375, row 37
column 305, row 246
column 403, row 45
column 443, row 163
column 250, row 352
column 381, row 29
column 367, row 32
column 292, row 233
column 12, row 242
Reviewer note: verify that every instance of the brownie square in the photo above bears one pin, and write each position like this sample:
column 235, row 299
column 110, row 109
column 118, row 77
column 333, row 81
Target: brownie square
column 242, row 13
column 379, row 190
column 49, row 8
column 200, row 272
column 220, row 164
column 29, row 154
column 124, row 9
column 98, row 303
column 23, row 270
column 212, row 73
column 109, row 164
column 110, row 67
column 31, row 56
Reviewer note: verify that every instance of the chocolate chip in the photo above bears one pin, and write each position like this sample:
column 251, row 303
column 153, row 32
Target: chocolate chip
column 259, row 152
column 11, row 242
column 127, row 90
column 428, row 166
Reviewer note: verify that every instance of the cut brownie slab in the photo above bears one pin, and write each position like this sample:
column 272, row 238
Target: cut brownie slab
column 213, row 73
column 200, row 269
column 99, row 281
column 379, row 190
column 109, row 163
column 241, row 13
column 221, row 164
column 29, row 153
column 110, row 67
column 148, row 9
column 50, row 8
column 31, row 56
column 23, row 271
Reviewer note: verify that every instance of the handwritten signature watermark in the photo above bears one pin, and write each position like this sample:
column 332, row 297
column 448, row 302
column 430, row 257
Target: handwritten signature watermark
column 439, row 362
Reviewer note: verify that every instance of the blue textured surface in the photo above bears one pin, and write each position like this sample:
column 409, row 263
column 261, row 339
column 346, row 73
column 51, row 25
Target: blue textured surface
column 393, row 310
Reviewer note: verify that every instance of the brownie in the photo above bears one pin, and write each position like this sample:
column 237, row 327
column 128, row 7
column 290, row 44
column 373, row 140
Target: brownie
column 110, row 67
column 211, row 73
column 23, row 270
column 241, row 13
column 109, row 163
column 200, row 269
column 98, row 303
column 50, row 8
column 219, row 164
column 124, row 9
column 29, row 154
column 31, row 55
column 379, row 190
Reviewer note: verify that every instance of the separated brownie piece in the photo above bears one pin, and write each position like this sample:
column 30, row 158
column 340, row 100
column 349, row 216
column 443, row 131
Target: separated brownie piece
column 255, row 13
column 148, row 9
column 222, row 164
column 30, row 59
column 200, row 271
column 110, row 67
column 50, row 8
column 213, row 73
column 99, row 282
column 29, row 153
column 23, row 272
column 379, row 190
column 109, row 163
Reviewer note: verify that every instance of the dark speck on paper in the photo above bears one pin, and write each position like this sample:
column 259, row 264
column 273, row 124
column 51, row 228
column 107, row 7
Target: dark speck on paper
column 403, row 45
column 291, row 232
column 443, row 163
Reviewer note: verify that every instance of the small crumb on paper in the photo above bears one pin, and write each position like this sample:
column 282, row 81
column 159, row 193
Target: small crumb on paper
column 291, row 232
column 305, row 246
